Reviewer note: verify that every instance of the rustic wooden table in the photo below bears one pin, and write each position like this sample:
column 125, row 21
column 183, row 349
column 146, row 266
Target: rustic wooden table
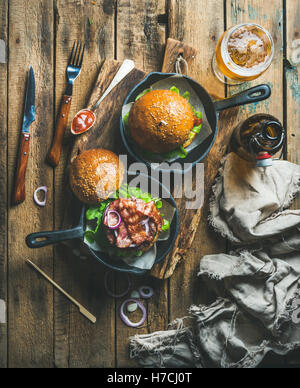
column 40, row 327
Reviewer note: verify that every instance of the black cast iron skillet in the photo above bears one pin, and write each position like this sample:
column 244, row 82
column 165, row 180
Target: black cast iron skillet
column 42, row 239
column 212, row 111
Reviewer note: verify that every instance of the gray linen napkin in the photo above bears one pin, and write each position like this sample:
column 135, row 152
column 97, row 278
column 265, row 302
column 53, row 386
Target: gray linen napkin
column 255, row 286
column 248, row 203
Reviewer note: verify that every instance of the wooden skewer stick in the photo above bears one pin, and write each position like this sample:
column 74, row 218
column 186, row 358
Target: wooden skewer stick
column 82, row 310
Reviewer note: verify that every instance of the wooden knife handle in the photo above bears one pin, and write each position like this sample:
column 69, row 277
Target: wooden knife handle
column 53, row 156
column 19, row 189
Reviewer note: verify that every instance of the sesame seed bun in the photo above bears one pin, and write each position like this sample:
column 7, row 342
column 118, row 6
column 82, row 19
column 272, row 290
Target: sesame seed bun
column 95, row 174
column 161, row 121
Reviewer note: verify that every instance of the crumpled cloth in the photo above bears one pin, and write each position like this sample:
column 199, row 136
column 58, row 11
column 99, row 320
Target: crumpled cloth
column 255, row 285
column 249, row 204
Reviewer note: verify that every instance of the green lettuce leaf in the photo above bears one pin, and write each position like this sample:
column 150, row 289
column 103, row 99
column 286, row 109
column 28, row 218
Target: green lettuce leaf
column 174, row 89
column 186, row 95
column 198, row 114
column 197, row 129
column 180, row 152
column 166, row 225
column 142, row 94
column 125, row 119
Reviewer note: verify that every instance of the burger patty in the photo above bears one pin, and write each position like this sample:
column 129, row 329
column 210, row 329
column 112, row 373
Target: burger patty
column 141, row 223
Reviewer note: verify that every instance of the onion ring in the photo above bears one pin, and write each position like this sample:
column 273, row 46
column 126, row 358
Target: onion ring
column 36, row 200
column 124, row 317
column 116, row 226
column 105, row 213
column 110, row 293
column 145, row 221
column 148, row 294
column 147, row 228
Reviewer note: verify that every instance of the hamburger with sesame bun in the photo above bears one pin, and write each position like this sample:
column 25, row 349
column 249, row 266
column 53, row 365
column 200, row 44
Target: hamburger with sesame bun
column 95, row 174
column 161, row 121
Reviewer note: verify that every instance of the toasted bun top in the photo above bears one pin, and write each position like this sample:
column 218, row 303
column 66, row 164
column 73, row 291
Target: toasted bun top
column 160, row 121
column 95, row 174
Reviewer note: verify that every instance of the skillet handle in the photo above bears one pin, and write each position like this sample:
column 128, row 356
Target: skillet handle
column 43, row 239
column 255, row 94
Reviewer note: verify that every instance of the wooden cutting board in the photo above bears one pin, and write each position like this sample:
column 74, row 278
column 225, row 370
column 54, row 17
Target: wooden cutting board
column 106, row 134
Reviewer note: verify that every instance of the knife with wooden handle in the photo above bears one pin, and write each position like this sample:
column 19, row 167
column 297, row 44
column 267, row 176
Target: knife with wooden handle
column 19, row 192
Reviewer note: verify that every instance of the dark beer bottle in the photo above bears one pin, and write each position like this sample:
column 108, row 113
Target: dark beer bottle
column 259, row 138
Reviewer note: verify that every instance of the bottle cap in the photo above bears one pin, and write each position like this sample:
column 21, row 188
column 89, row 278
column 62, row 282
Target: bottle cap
column 264, row 160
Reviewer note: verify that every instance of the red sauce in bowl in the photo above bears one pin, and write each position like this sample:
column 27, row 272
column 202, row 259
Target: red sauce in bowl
column 82, row 122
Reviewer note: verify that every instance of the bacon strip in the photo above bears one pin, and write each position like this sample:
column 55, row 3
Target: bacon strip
column 132, row 231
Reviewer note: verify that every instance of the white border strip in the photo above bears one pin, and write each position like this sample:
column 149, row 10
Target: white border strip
column 2, row 311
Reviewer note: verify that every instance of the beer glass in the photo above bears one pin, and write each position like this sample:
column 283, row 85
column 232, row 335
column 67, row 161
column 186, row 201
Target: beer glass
column 243, row 53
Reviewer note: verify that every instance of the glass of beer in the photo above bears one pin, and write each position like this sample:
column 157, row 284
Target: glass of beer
column 243, row 53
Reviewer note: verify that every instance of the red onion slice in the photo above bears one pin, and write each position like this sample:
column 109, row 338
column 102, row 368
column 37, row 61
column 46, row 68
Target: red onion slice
column 105, row 214
column 145, row 221
column 117, row 224
column 124, row 317
column 147, row 228
column 110, row 293
column 36, row 200
column 146, row 292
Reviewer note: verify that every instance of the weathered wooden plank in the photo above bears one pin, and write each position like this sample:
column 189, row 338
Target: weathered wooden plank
column 139, row 36
column 183, row 18
column 3, row 189
column 77, row 342
column 268, row 14
column 30, row 297
column 292, row 74
column 142, row 39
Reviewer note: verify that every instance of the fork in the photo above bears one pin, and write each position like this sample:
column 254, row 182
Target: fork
column 73, row 71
